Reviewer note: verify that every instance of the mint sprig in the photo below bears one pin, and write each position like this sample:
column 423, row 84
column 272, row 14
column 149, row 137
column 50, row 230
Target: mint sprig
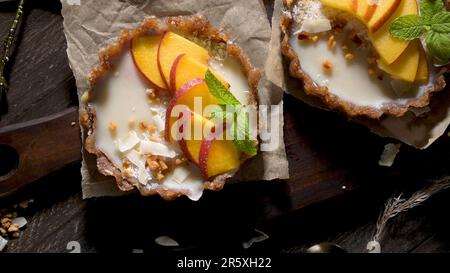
column 433, row 24
column 240, row 126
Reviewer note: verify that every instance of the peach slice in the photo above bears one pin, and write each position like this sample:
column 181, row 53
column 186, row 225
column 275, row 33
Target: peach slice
column 171, row 46
column 344, row 5
column 388, row 47
column 363, row 10
column 186, row 95
column 189, row 144
column 144, row 50
column 385, row 10
column 422, row 71
column 186, row 68
column 218, row 157
column 405, row 67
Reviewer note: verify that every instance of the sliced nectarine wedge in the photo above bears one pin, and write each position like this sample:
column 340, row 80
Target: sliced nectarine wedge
column 405, row 67
column 171, row 46
column 190, row 144
column 344, row 5
column 363, row 10
column 388, row 47
column 185, row 96
column 218, row 157
column 144, row 50
column 186, row 68
column 384, row 11
column 422, row 71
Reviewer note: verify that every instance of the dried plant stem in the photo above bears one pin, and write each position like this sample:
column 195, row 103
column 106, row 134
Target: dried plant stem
column 7, row 47
column 397, row 205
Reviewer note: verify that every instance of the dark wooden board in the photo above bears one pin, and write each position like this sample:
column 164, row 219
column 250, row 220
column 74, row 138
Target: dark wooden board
column 325, row 152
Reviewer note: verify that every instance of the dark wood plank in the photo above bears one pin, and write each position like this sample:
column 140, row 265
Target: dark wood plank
column 41, row 82
column 41, row 145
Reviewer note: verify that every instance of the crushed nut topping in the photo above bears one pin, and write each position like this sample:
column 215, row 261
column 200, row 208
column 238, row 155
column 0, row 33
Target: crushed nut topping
column 327, row 66
column 112, row 126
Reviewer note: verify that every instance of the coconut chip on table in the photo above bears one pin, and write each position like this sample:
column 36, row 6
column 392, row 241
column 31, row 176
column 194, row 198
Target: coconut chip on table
column 95, row 24
column 419, row 127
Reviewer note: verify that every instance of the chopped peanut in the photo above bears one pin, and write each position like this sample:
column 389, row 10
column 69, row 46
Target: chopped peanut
column 13, row 228
column 315, row 38
column 151, row 128
column 153, row 138
column 112, row 126
column 159, row 176
column 143, row 125
column 163, row 165
column 332, row 42
column 152, row 164
column 349, row 56
column 327, row 66
column 180, row 161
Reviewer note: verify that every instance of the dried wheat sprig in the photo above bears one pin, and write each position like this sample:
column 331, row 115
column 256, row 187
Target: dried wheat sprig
column 7, row 46
column 397, row 204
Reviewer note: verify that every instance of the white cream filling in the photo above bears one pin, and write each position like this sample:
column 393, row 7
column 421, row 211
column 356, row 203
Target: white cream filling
column 121, row 97
column 349, row 80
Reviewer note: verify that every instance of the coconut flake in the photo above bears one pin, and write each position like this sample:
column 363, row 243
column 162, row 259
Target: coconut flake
column 316, row 25
column 3, row 243
column 19, row 221
column 155, row 148
column 180, row 174
column 159, row 123
column 128, row 142
column 143, row 176
column 166, row 241
column 136, row 158
column 389, row 154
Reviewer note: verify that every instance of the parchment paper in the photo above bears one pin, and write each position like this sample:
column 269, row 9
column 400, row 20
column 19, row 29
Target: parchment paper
column 419, row 131
column 90, row 25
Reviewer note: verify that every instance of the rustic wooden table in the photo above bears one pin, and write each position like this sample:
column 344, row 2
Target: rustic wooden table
column 325, row 153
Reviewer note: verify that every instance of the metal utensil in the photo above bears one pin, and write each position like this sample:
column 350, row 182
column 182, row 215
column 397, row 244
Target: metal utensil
column 326, row 248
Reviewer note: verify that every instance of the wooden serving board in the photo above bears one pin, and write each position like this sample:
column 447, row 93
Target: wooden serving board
column 328, row 156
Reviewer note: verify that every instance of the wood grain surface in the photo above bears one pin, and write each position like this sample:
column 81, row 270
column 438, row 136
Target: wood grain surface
column 326, row 152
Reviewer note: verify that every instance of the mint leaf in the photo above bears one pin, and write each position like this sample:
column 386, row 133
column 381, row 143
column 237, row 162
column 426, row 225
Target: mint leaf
column 218, row 90
column 439, row 45
column 407, row 27
column 240, row 125
column 441, row 22
column 428, row 8
column 241, row 131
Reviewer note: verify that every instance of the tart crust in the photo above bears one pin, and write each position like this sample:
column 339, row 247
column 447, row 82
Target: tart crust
column 332, row 101
column 197, row 26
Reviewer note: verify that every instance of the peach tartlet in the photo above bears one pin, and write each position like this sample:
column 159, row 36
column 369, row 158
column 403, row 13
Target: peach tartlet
column 345, row 55
column 141, row 80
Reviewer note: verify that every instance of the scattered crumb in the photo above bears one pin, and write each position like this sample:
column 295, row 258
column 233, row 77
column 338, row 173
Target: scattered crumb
column 389, row 154
column 315, row 38
column 344, row 188
column 73, row 123
column 10, row 223
column 131, row 123
column 370, row 71
column 166, row 241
